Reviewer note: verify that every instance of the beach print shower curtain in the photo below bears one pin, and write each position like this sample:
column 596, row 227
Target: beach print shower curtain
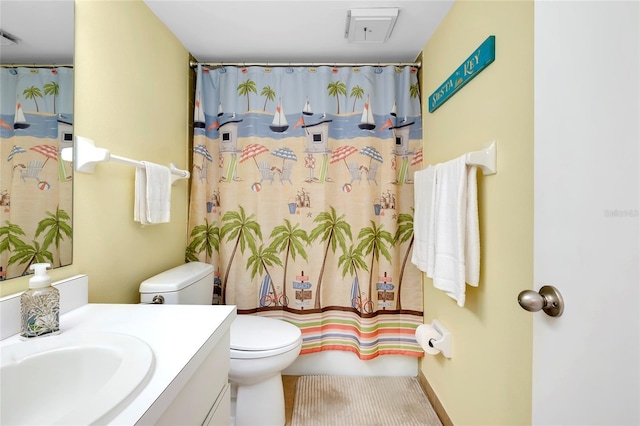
column 302, row 200
column 36, row 123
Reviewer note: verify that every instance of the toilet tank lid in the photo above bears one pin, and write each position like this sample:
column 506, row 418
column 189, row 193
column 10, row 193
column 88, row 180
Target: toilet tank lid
column 176, row 278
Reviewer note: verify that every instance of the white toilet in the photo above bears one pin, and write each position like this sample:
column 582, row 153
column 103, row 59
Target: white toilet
column 260, row 347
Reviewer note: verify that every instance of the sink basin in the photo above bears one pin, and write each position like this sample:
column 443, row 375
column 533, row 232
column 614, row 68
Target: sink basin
column 71, row 379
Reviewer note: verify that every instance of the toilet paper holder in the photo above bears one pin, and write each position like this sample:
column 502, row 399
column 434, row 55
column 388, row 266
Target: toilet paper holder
column 443, row 344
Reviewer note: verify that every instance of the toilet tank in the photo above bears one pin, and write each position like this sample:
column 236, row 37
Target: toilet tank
column 188, row 284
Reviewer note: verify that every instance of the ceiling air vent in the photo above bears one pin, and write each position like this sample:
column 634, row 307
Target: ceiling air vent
column 370, row 25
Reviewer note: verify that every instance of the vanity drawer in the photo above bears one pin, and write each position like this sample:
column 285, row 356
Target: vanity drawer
column 220, row 414
column 203, row 390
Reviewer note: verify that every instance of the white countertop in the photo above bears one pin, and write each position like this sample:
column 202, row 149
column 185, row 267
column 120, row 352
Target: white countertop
column 179, row 335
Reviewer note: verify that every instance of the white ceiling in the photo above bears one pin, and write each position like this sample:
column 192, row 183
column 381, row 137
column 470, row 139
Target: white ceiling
column 44, row 30
column 299, row 31
column 235, row 31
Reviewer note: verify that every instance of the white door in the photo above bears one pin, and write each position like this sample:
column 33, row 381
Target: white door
column 586, row 225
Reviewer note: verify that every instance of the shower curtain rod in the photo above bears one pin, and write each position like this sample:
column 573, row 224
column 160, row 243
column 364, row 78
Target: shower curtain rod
column 193, row 64
column 36, row 65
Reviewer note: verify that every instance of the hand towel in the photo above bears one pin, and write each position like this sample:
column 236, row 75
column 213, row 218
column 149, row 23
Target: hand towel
column 456, row 249
column 152, row 194
column 423, row 245
column 472, row 230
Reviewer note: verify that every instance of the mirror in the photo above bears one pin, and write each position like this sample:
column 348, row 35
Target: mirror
column 36, row 123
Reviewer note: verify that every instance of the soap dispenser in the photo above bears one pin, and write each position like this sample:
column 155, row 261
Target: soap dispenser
column 40, row 305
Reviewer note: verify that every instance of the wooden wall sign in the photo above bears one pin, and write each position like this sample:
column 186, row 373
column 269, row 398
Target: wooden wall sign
column 479, row 60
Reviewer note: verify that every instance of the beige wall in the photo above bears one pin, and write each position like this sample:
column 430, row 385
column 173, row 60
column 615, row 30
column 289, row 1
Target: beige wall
column 488, row 380
column 131, row 97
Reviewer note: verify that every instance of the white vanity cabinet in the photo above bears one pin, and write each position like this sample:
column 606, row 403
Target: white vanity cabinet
column 190, row 343
column 188, row 383
column 205, row 398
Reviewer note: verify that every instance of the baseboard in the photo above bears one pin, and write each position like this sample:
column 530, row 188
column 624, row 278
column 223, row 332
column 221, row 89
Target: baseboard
column 433, row 399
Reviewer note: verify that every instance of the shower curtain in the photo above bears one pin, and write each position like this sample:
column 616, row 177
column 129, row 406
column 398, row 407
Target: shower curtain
column 36, row 123
column 302, row 200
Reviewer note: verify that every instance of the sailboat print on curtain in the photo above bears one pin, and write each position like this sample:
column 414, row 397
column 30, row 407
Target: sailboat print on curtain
column 20, row 122
column 307, row 108
column 367, row 122
column 279, row 123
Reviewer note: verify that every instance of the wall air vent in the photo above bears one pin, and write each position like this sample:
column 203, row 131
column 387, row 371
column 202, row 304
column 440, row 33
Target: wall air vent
column 7, row 39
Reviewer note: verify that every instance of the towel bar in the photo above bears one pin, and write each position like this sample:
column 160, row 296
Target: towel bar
column 87, row 155
column 486, row 158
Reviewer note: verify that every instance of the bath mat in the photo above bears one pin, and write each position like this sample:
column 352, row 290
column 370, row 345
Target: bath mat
column 359, row 401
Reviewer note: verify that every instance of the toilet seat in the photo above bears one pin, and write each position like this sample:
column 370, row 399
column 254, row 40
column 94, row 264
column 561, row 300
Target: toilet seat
column 261, row 337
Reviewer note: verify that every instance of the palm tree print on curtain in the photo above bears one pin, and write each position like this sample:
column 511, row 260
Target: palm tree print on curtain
column 36, row 123
column 303, row 200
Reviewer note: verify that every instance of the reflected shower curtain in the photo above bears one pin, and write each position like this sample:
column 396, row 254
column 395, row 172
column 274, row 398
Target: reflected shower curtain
column 302, row 200
column 36, row 123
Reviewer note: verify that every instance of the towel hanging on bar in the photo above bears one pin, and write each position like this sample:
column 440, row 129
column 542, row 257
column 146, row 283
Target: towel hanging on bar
column 446, row 231
column 85, row 154
column 152, row 194
column 447, row 236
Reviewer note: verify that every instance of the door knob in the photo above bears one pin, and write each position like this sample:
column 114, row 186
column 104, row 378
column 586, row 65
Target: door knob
column 548, row 299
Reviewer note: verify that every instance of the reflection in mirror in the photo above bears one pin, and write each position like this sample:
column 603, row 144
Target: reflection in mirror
column 36, row 123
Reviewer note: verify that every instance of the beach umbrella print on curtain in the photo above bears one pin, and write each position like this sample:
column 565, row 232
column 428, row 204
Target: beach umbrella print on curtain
column 202, row 150
column 285, row 154
column 251, row 151
column 342, row 153
column 48, row 151
column 15, row 150
column 417, row 158
column 372, row 153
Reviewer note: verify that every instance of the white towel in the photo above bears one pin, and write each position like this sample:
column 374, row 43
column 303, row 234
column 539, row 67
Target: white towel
column 423, row 246
column 472, row 234
column 152, row 194
column 457, row 251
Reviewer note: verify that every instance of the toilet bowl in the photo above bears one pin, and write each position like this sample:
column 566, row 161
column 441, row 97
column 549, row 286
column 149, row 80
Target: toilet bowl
column 260, row 348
